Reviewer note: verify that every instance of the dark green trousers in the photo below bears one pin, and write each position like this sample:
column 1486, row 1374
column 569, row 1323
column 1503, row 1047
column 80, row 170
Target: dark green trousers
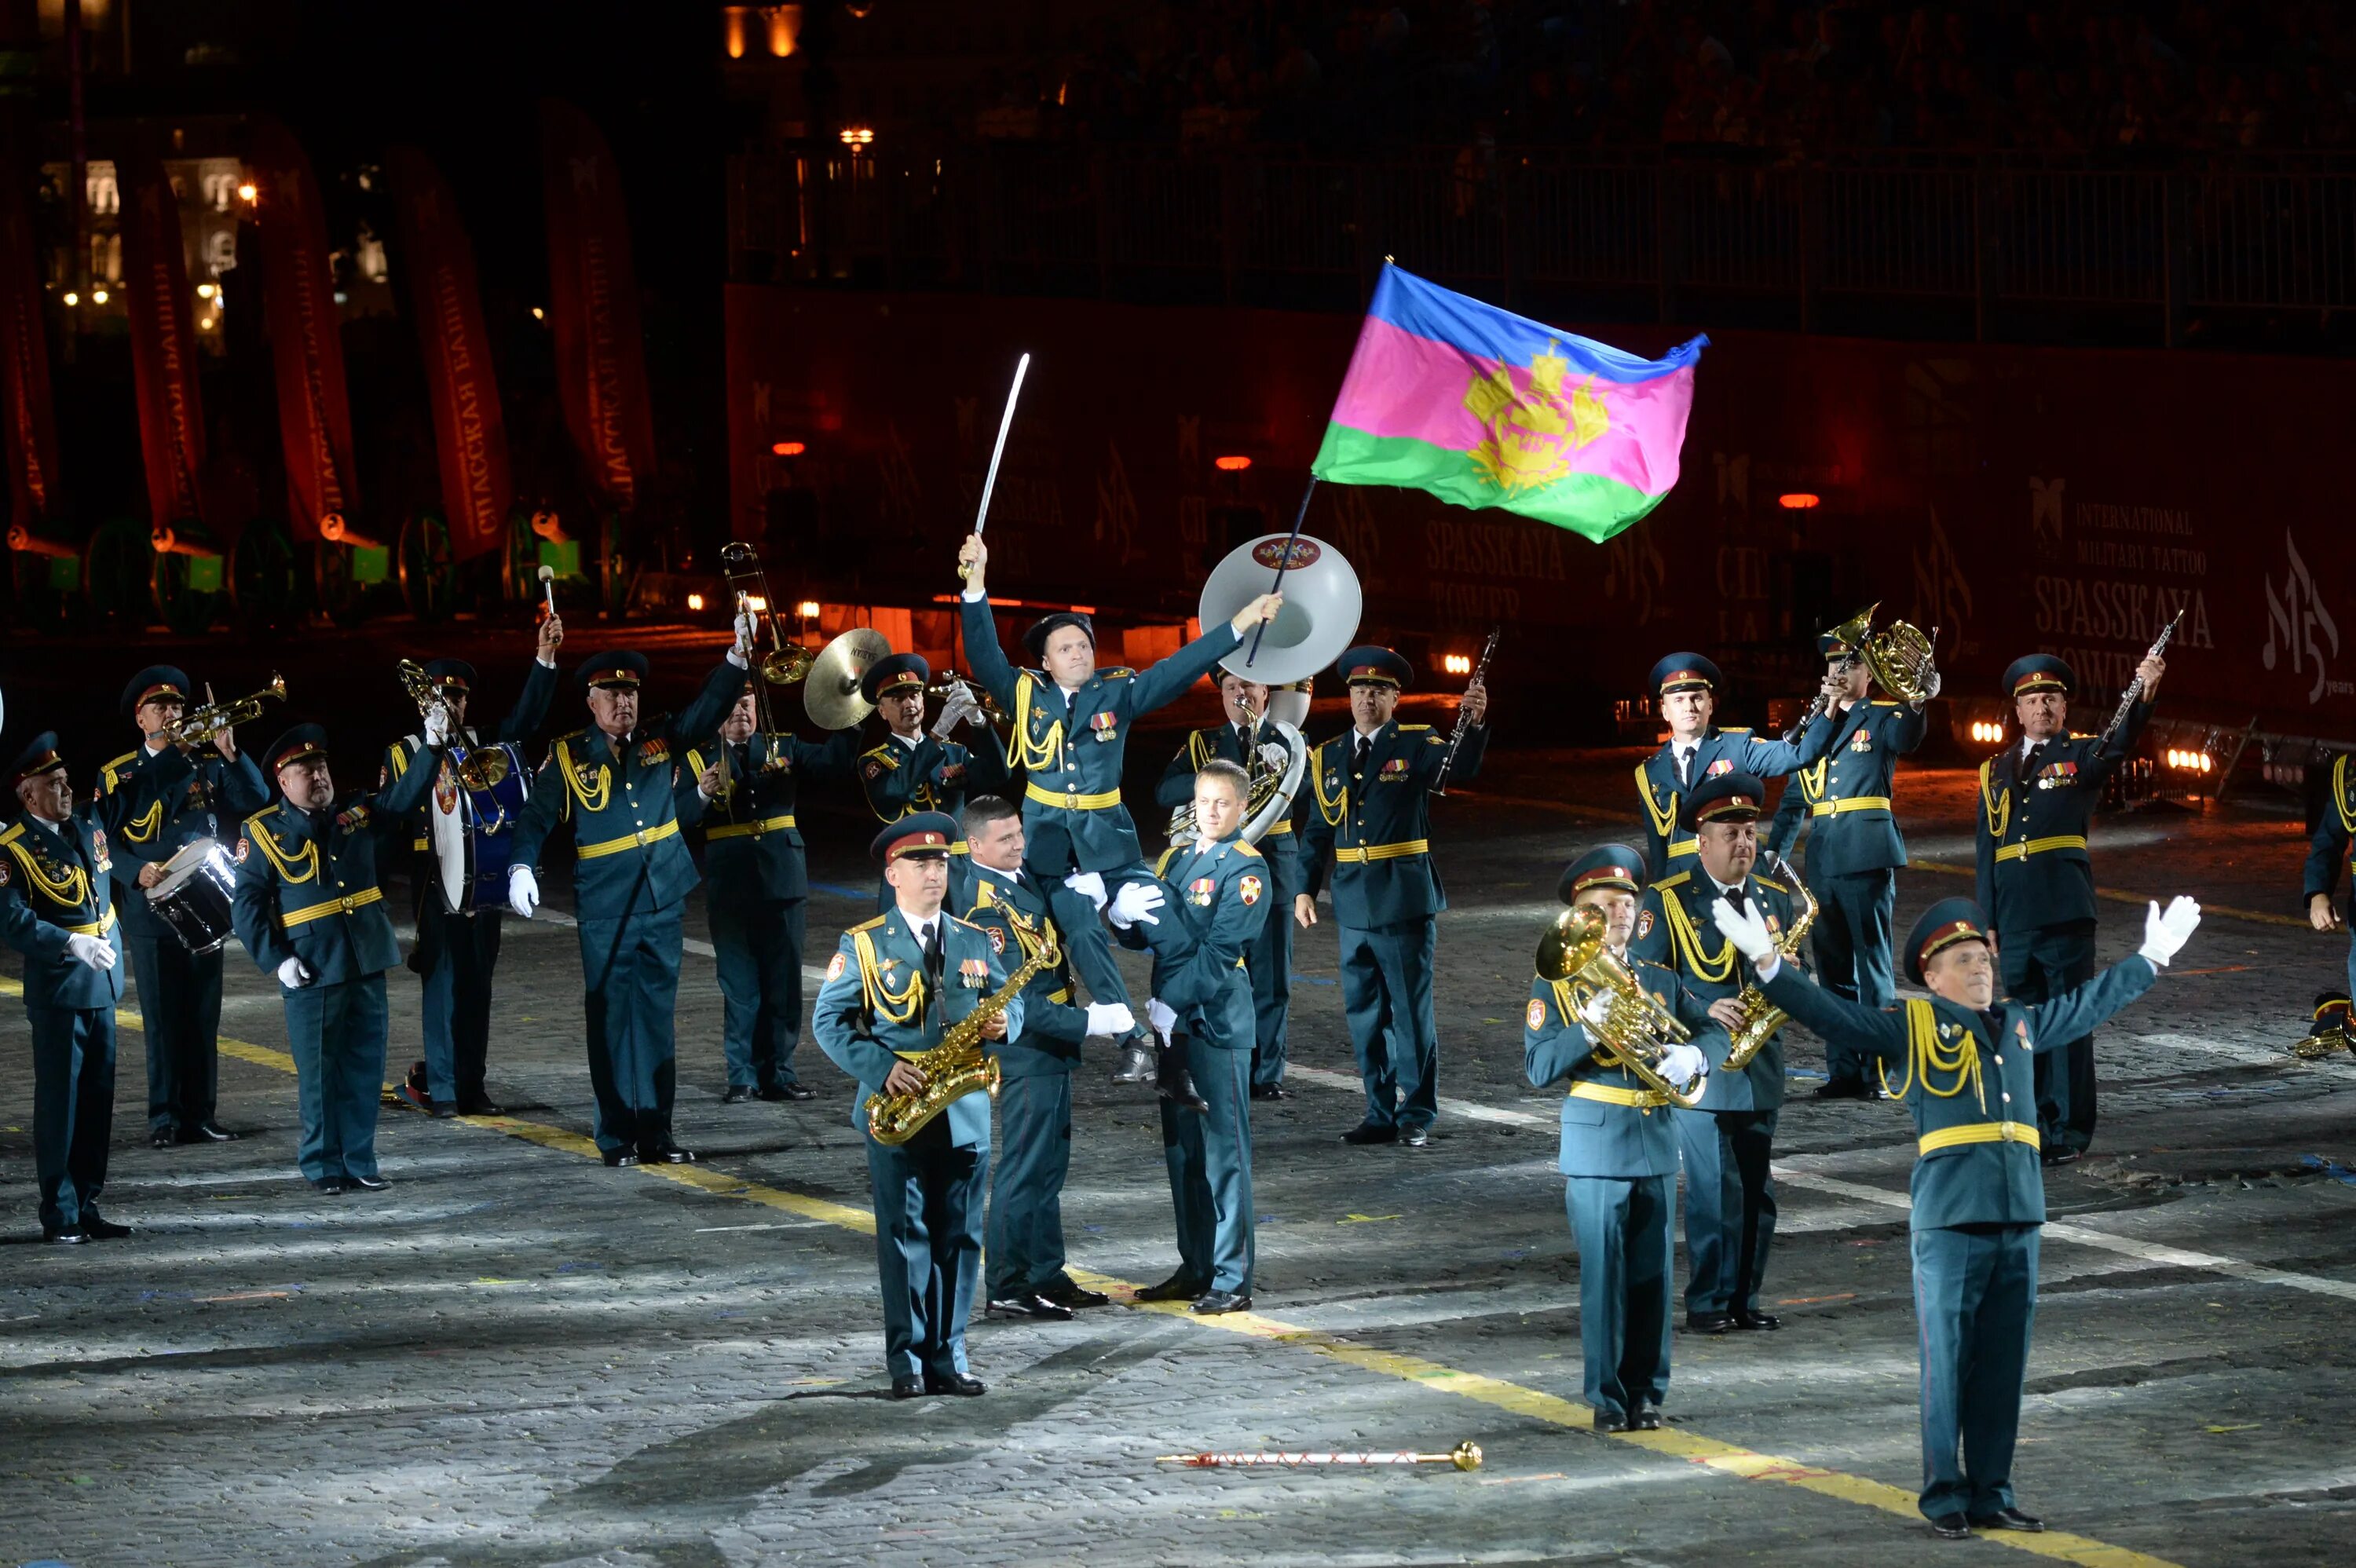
column 73, row 1109
column 179, row 1010
column 1621, row 1226
column 1975, row 1300
column 336, row 1032
column 629, row 971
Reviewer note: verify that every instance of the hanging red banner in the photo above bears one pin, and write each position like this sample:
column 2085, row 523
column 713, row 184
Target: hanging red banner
column 163, row 348
column 443, row 299
column 25, row 412
column 601, row 371
column 314, row 415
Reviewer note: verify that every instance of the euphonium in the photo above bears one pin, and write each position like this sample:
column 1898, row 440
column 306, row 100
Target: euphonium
column 198, row 725
column 1761, row 1017
column 1638, row 1030
column 958, row 1066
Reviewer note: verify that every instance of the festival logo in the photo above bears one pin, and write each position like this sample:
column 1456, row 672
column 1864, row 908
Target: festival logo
column 2045, row 512
column 2297, row 623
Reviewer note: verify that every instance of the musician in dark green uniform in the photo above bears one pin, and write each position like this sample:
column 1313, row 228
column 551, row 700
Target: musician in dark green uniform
column 1249, row 740
column 616, row 783
column 179, row 991
column 1026, row 1275
column 56, row 908
column 1367, row 826
column 1962, row 1062
column 2036, row 880
column 2326, row 851
column 1727, row 1142
column 894, row 988
column 741, row 789
column 1845, row 802
column 456, row 954
column 1619, row 1157
column 310, row 909
column 1697, row 749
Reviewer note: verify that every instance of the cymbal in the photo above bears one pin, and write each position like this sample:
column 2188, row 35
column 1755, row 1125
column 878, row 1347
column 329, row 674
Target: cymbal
column 832, row 691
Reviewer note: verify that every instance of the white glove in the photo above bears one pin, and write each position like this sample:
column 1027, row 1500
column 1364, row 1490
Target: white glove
column 1681, row 1064
column 747, row 629
column 1111, row 1019
column 1274, row 754
column 1596, row 1009
column 2165, row 931
column 1931, row 685
column 1158, row 1014
column 1135, row 904
column 293, row 974
column 1089, row 885
column 437, row 725
column 89, row 950
column 1747, row 930
column 523, row 891
column 958, row 707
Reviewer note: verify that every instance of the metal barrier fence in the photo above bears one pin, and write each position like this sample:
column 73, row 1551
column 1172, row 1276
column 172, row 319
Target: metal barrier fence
column 1633, row 233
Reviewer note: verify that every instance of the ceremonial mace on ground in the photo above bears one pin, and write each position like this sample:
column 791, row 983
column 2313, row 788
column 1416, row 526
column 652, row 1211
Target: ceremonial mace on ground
column 1464, row 1456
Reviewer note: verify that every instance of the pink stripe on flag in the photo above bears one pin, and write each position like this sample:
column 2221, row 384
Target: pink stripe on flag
column 1401, row 385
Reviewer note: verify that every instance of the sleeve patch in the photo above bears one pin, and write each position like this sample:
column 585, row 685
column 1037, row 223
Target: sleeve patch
column 835, row 966
column 1643, row 925
column 1537, row 1014
column 997, row 938
column 1250, row 888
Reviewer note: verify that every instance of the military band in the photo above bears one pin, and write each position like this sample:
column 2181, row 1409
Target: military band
column 915, row 769
column 1687, row 686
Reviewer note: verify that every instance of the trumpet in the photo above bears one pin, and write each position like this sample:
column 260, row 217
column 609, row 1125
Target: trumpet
column 198, row 725
column 476, row 769
column 1761, row 1017
column 787, row 661
column 1638, row 1029
column 954, row 697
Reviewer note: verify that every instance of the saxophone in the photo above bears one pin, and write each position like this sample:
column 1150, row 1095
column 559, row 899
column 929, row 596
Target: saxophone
column 958, row 1066
column 1761, row 1017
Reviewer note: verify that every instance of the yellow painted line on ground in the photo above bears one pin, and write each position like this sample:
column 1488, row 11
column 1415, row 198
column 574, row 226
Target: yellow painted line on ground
column 1530, row 1404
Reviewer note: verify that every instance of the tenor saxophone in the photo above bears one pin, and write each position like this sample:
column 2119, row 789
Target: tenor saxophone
column 1761, row 1017
column 958, row 1066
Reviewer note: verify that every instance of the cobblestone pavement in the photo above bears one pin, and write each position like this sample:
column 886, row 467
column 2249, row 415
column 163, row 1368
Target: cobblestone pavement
column 517, row 1357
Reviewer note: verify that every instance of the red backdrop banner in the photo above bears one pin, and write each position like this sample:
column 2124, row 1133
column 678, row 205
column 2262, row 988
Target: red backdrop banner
column 601, row 371
column 314, row 416
column 469, row 434
column 163, row 347
column 26, row 409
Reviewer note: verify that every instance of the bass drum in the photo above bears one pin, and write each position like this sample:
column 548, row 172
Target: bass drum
column 194, row 898
column 470, row 823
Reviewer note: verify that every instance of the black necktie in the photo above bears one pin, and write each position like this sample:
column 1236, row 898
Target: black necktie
column 1358, row 763
column 1243, row 743
column 2030, row 761
column 1685, row 765
column 1736, row 899
column 933, row 957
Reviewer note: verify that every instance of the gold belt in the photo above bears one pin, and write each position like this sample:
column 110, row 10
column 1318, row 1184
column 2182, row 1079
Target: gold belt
column 739, row 829
column 2040, row 846
column 98, row 927
column 1859, row 802
column 1072, row 800
column 638, row 840
column 1642, row 1099
column 1280, row 829
column 1980, row 1133
column 1381, row 852
column 344, row 905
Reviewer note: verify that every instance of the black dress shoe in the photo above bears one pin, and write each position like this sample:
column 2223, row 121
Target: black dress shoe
column 1415, row 1134
column 102, row 1230
column 1368, row 1133
column 368, row 1183
column 1611, row 1421
column 65, row 1235
column 1646, row 1419
column 2006, row 1518
column 907, row 1388
column 162, row 1137
column 1951, row 1527
column 1136, row 1063
column 331, row 1186
column 666, row 1154
column 736, row 1096
column 1027, row 1306
column 961, row 1383
column 788, row 1092
column 1844, row 1089
column 1754, row 1319
column 1708, row 1322
column 615, row 1158
column 1271, row 1092
column 1173, row 1082
column 1211, row 1303
column 1064, row 1292
column 1177, row 1287
column 480, row 1105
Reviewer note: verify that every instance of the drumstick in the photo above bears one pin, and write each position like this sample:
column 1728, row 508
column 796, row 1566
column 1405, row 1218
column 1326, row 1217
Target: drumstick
column 547, row 587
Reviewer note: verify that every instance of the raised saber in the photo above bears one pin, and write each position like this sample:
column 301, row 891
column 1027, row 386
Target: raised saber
column 1464, row 1456
column 989, row 480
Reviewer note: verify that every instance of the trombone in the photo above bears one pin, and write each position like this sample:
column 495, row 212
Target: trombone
column 787, row 661
column 198, row 725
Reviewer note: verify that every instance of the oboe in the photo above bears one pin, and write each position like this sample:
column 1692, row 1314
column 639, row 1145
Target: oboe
column 1463, row 720
column 2135, row 686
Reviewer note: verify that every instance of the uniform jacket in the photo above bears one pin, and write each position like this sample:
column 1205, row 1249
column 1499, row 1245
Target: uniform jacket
column 2033, row 866
column 1279, row 845
column 1673, row 929
column 2333, row 833
column 936, row 776
column 1071, row 752
column 307, row 883
column 1845, row 794
column 1215, row 898
column 753, row 850
column 1013, row 912
column 218, row 792
column 1719, row 751
column 1612, row 1125
column 624, row 810
column 522, row 722
column 58, row 883
column 1966, row 1076
column 1374, row 828
column 876, row 1007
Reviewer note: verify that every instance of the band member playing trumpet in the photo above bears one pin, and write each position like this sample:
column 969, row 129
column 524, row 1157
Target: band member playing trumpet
column 1845, row 801
column 1726, row 1143
column 456, row 954
column 179, row 991
column 1248, row 737
column 1961, row 1061
column 1619, row 1157
column 919, row 769
column 893, row 986
column 1370, row 819
column 56, row 908
column 1697, row 749
column 310, row 909
column 1072, row 722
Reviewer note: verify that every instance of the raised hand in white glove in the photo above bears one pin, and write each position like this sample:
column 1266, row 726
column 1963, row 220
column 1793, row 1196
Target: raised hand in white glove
column 1596, row 1009
column 438, row 726
column 1089, row 885
column 1274, row 755
column 1748, row 930
column 92, row 951
column 523, row 891
column 293, row 974
column 1111, row 1019
column 1135, row 904
column 2165, row 931
column 748, row 628
column 958, row 707
column 1161, row 1016
column 1681, row 1064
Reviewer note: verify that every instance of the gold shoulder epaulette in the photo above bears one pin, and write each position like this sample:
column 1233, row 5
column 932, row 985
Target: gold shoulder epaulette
column 575, row 736
column 109, row 771
column 1250, row 849
column 15, row 831
column 2081, row 735
column 865, row 925
column 1771, row 882
column 1117, row 672
column 961, row 920
column 1163, row 864
column 1878, row 702
column 1672, row 882
column 1412, row 729
column 255, row 820
column 1735, row 730
column 886, row 753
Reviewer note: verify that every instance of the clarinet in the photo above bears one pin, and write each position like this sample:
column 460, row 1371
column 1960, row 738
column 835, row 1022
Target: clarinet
column 2135, row 686
column 1480, row 671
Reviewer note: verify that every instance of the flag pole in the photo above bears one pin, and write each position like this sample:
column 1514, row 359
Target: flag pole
column 1283, row 562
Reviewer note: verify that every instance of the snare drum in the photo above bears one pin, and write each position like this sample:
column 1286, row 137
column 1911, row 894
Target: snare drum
column 470, row 819
column 194, row 898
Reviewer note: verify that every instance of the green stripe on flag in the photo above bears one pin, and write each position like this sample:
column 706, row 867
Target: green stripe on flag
column 1586, row 504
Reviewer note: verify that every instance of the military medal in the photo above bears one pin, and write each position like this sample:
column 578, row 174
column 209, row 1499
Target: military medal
column 1723, row 765
column 1395, row 770
column 1104, row 724
column 974, row 973
column 1200, row 889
